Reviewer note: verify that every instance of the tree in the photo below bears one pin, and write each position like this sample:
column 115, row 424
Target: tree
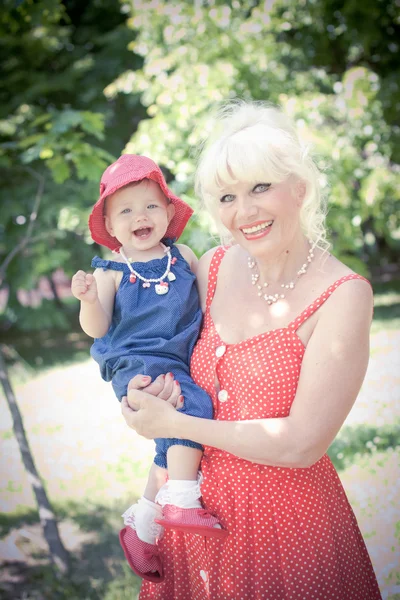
column 50, row 154
column 197, row 54
column 55, row 59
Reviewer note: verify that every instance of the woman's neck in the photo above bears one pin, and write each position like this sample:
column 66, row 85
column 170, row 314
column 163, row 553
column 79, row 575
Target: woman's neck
column 283, row 267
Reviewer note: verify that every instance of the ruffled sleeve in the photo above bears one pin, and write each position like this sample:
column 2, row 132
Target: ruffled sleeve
column 100, row 263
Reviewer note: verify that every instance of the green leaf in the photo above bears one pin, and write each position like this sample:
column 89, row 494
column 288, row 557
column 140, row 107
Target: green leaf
column 59, row 168
column 93, row 123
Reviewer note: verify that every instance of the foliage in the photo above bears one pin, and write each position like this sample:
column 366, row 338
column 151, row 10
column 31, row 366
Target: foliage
column 343, row 36
column 85, row 80
column 55, row 58
column 353, row 442
column 196, row 55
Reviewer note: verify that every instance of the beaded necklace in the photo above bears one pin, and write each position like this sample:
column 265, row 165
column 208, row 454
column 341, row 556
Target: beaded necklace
column 272, row 298
column 161, row 286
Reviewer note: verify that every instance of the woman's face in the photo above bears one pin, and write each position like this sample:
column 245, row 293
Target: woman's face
column 262, row 217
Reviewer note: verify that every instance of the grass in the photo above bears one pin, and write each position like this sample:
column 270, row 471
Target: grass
column 386, row 306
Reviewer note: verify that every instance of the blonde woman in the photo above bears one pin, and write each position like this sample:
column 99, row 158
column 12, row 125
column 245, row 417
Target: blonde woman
column 283, row 352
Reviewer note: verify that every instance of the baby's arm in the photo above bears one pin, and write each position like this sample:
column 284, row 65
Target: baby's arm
column 96, row 293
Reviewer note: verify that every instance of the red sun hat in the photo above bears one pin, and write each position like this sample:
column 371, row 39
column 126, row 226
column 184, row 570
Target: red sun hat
column 128, row 169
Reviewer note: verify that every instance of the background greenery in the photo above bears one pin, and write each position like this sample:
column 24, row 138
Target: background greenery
column 84, row 81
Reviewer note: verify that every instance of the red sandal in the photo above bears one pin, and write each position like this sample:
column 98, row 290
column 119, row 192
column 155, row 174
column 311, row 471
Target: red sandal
column 143, row 558
column 191, row 520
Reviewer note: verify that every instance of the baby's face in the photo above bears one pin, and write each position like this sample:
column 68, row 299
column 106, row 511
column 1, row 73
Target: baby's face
column 138, row 215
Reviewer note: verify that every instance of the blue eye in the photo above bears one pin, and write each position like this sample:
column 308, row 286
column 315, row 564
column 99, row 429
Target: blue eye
column 227, row 198
column 125, row 211
column 259, row 188
column 152, row 206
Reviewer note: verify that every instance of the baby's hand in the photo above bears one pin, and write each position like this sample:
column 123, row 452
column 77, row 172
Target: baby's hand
column 164, row 387
column 84, row 287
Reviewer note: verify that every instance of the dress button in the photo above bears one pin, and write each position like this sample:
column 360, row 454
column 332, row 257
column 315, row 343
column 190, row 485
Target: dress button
column 220, row 351
column 222, row 395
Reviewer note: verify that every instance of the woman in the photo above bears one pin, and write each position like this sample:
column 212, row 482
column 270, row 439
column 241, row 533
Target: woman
column 283, row 353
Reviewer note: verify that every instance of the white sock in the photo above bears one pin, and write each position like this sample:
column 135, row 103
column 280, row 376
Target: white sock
column 140, row 516
column 180, row 492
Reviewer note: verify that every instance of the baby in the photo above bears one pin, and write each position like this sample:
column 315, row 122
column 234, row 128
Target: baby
column 143, row 310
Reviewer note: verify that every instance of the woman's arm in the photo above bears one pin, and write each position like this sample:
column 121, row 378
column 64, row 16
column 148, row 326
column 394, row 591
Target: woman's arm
column 333, row 369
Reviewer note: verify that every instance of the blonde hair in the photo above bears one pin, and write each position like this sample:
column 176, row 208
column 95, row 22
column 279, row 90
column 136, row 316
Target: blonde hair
column 257, row 142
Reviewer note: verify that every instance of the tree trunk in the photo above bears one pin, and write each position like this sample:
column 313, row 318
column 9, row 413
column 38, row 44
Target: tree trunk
column 53, row 288
column 58, row 554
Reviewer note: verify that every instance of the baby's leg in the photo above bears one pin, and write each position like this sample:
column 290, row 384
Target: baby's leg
column 180, row 497
column 183, row 476
column 157, row 478
column 183, row 486
column 141, row 516
column 183, row 462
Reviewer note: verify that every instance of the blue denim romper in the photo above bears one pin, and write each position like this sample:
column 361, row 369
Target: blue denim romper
column 152, row 334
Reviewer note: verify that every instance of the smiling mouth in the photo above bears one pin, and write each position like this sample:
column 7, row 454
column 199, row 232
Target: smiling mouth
column 142, row 232
column 259, row 228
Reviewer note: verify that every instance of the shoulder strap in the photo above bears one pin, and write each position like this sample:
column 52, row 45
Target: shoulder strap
column 213, row 276
column 312, row 308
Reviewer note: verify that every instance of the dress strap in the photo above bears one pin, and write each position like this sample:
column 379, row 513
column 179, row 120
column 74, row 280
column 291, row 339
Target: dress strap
column 312, row 308
column 213, row 276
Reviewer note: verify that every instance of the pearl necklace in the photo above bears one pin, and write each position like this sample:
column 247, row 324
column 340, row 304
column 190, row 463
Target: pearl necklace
column 272, row 298
column 161, row 286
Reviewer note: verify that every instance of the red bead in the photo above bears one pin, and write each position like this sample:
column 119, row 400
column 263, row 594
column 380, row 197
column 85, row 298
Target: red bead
column 132, row 278
column 173, row 260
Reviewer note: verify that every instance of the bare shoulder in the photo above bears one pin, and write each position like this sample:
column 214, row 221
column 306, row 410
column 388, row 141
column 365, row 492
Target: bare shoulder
column 231, row 255
column 108, row 280
column 202, row 274
column 103, row 274
column 188, row 255
column 351, row 301
column 205, row 260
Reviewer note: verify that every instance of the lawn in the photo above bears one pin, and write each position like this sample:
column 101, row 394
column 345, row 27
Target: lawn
column 94, row 467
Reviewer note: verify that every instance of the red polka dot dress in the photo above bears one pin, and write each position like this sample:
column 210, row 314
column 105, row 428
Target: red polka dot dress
column 293, row 534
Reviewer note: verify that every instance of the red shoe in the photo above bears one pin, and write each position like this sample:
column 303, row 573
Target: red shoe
column 191, row 520
column 143, row 558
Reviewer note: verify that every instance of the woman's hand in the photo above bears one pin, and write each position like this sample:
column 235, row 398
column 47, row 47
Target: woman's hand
column 164, row 387
column 149, row 416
